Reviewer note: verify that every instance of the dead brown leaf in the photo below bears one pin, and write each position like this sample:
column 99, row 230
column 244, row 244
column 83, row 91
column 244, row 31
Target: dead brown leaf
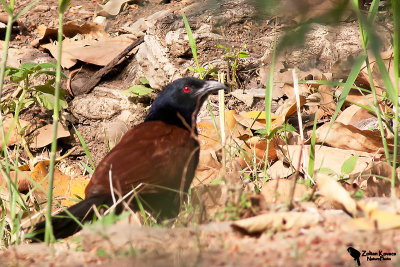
column 111, row 8
column 372, row 180
column 22, row 182
column 15, row 137
column 44, row 135
column 65, row 188
column 279, row 190
column 335, row 193
column 249, row 122
column 279, row 170
column 353, row 114
column 377, row 220
column 254, row 152
column 98, row 52
column 277, row 221
column 70, row 29
column 349, row 137
column 325, row 157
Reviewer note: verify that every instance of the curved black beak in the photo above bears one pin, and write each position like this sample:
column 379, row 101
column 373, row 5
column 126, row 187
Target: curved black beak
column 211, row 87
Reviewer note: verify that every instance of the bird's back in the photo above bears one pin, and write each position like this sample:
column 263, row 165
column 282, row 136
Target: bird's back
column 152, row 155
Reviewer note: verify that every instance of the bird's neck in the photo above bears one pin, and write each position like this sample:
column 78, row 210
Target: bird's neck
column 174, row 117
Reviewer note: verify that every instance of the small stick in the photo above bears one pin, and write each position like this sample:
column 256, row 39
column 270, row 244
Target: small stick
column 221, row 98
column 296, row 92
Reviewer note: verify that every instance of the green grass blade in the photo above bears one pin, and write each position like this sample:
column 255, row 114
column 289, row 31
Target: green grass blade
column 7, row 8
column 192, row 41
column 348, row 85
column 26, row 9
column 85, row 148
column 311, row 159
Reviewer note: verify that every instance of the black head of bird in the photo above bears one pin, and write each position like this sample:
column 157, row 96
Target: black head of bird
column 182, row 99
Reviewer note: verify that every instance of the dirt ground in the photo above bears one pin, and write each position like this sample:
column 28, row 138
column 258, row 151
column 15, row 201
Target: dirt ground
column 186, row 243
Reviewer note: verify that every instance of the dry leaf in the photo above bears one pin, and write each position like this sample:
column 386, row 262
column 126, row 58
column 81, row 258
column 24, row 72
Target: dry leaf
column 325, row 157
column 279, row 190
column 210, row 138
column 111, row 8
column 353, row 114
column 209, row 199
column 349, row 137
column 277, row 221
column 377, row 220
column 289, row 90
column 254, row 152
column 278, row 170
column 22, row 182
column 208, row 169
column 98, row 52
column 372, row 180
column 335, row 193
column 44, row 135
column 14, row 136
column 258, row 115
column 70, row 29
column 249, row 122
column 290, row 107
column 64, row 188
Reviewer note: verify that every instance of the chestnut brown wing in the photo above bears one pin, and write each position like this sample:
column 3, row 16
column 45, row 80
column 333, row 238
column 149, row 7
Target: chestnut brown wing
column 152, row 153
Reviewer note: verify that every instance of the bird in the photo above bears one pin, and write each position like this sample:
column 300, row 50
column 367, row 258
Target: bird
column 157, row 159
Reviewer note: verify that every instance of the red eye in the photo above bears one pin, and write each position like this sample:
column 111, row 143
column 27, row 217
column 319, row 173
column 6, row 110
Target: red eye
column 186, row 89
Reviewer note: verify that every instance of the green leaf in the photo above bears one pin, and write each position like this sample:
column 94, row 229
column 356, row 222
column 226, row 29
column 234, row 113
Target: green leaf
column 326, row 171
column 349, row 165
column 47, row 65
column 28, row 102
column 359, row 194
column 243, row 54
column 47, row 101
column 101, row 253
column 28, row 65
column 10, row 71
column 48, row 88
column 138, row 90
column 18, row 76
column 144, row 81
column 223, row 47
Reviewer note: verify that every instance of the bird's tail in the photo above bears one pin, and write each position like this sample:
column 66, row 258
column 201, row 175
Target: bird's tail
column 64, row 225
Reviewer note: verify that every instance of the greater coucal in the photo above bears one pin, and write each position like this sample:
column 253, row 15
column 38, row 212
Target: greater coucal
column 157, row 159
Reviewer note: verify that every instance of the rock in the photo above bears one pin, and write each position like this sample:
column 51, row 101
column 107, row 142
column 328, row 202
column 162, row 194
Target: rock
column 154, row 63
column 103, row 103
column 101, row 21
column 256, row 92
